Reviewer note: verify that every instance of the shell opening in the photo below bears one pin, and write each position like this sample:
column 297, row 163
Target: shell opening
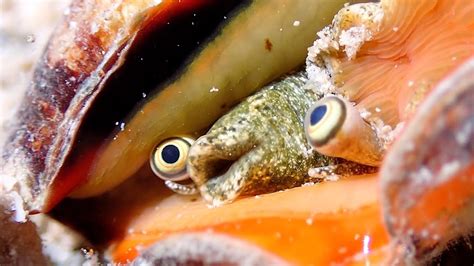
column 141, row 71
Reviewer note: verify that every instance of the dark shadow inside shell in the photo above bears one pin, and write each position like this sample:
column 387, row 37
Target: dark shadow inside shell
column 106, row 218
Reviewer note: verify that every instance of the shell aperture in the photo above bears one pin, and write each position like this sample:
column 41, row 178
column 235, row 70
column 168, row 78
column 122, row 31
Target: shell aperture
column 324, row 120
column 80, row 66
column 168, row 159
column 260, row 146
column 235, row 61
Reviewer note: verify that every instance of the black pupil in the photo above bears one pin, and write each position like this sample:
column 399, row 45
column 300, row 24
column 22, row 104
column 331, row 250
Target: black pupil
column 170, row 154
column 317, row 114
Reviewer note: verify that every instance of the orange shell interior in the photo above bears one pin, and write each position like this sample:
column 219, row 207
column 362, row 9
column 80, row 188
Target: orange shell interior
column 419, row 42
column 320, row 224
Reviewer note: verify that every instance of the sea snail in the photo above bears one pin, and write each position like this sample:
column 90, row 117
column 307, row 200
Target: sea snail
column 405, row 46
column 260, row 145
column 362, row 81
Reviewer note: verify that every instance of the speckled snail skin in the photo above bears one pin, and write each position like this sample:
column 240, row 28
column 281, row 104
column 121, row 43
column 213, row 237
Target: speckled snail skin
column 262, row 142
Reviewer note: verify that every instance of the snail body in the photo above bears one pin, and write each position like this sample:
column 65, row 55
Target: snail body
column 260, row 145
column 262, row 140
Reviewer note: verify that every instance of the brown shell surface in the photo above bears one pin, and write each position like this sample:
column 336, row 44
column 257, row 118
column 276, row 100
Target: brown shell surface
column 84, row 50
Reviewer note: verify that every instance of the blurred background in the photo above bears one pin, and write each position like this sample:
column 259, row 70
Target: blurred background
column 25, row 26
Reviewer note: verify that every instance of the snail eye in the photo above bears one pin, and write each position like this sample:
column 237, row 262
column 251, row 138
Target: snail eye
column 324, row 120
column 168, row 159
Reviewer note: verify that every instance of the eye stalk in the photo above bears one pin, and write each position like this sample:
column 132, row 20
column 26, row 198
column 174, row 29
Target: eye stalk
column 168, row 162
column 324, row 120
column 334, row 127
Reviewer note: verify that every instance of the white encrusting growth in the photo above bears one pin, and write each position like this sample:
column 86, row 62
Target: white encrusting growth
column 353, row 38
column 448, row 170
column 320, row 80
column 462, row 136
column 385, row 133
column 18, row 208
column 350, row 29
